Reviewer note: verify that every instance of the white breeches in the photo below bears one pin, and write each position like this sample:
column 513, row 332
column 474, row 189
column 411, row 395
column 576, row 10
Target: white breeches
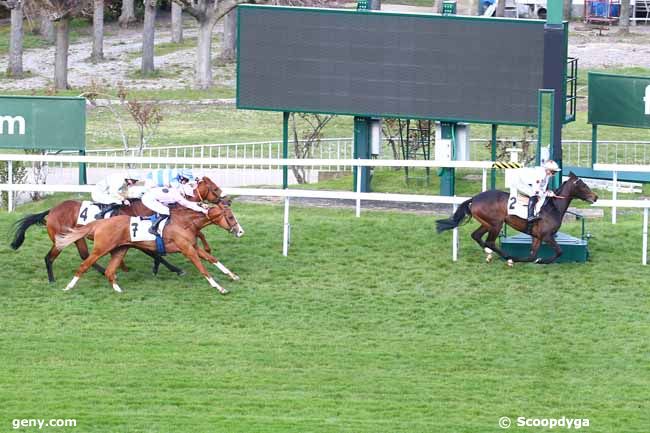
column 103, row 198
column 154, row 204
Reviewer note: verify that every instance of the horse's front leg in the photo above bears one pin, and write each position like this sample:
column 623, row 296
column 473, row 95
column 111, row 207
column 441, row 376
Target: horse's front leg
column 534, row 249
column 550, row 239
column 205, row 256
column 204, row 241
column 192, row 254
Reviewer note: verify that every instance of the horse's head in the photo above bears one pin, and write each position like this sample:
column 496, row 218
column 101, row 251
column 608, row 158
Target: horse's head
column 207, row 190
column 576, row 188
column 221, row 215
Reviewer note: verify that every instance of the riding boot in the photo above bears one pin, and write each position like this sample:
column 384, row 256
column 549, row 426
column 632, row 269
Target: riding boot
column 106, row 208
column 532, row 202
column 157, row 219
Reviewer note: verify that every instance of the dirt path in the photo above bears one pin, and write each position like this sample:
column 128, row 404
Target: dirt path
column 122, row 46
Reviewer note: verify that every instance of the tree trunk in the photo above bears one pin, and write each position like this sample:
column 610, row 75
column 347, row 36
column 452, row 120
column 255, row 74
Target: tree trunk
column 177, row 23
column 203, row 77
column 501, row 7
column 46, row 28
column 437, row 6
column 128, row 13
column 15, row 66
column 61, row 54
column 624, row 19
column 148, row 36
column 566, row 10
column 98, row 32
column 229, row 45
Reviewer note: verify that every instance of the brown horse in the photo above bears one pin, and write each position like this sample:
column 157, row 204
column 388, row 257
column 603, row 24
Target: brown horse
column 64, row 216
column 489, row 208
column 113, row 236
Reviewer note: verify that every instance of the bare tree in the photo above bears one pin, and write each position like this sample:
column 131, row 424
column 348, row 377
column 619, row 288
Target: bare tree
column 98, row 31
column 147, row 117
column 501, row 8
column 566, row 9
column 61, row 12
column 15, row 66
column 624, row 19
column 306, row 140
column 177, row 23
column 127, row 17
column 229, row 44
column 148, row 33
column 392, row 131
column 207, row 13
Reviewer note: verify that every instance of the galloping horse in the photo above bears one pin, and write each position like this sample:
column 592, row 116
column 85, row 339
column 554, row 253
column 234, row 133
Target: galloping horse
column 64, row 216
column 489, row 208
column 113, row 236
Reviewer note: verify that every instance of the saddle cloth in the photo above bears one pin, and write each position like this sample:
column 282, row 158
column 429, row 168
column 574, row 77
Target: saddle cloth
column 139, row 229
column 518, row 204
column 88, row 211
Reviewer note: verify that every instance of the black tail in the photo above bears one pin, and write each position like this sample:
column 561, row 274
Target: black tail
column 461, row 213
column 21, row 226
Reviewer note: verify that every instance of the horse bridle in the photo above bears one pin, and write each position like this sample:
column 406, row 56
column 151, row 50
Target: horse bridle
column 231, row 227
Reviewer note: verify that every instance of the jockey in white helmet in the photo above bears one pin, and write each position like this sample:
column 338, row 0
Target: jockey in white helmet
column 113, row 190
column 534, row 182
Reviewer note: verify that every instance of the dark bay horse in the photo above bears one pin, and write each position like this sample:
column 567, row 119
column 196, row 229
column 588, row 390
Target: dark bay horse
column 113, row 236
column 489, row 208
column 64, row 216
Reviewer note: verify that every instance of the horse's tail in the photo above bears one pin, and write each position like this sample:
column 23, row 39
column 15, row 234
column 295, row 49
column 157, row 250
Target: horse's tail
column 462, row 213
column 73, row 235
column 21, row 226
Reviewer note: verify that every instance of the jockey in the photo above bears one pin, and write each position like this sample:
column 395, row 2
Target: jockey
column 113, row 191
column 159, row 198
column 534, row 182
column 179, row 178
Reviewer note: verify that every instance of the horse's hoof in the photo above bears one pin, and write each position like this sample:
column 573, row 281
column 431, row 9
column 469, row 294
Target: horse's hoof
column 180, row 273
column 510, row 263
column 235, row 277
column 224, row 291
column 488, row 259
column 117, row 288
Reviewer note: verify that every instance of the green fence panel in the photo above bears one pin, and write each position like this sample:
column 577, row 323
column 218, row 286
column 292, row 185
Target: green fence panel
column 43, row 123
column 619, row 100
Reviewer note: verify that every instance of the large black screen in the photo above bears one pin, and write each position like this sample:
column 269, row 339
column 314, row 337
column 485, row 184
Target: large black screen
column 389, row 65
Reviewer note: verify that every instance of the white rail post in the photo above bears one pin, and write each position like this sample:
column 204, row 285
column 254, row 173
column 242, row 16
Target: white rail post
column 286, row 238
column 454, row 240
column 484, row 180
column 614, row 194
column 358, row 191
column 644, row 255
column 10, row 181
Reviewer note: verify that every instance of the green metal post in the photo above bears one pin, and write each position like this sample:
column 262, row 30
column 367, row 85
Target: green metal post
column 594, row 144
column 362, row 150
column 493, row 175
column 554, row 12
column 448, row 175
column 285, row 148
column 83, row 178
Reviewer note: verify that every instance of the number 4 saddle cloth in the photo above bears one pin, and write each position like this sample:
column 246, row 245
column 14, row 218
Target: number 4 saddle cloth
column 88, row 211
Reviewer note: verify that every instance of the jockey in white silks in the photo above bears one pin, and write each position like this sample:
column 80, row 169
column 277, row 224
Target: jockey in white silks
column 159, row 198
column 533, row 183
column 113, row 191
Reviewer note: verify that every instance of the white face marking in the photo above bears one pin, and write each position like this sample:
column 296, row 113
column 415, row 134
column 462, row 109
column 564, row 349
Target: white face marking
column 239, row 231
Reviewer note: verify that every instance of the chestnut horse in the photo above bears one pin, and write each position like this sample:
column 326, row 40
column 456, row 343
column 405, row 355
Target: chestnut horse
column 489, row 209
column 113, row 236
column 64, row 216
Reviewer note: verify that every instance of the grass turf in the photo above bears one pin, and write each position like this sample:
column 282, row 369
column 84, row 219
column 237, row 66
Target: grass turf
column 366, row 326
